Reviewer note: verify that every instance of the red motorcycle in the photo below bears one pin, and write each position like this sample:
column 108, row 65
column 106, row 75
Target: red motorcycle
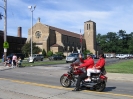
column 97, row 83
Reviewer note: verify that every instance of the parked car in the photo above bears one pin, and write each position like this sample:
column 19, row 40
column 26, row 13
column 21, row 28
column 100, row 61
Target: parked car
column 73, row 57
column 36, row 57
column 56, row 57
column 17, row 54
column 122, row 56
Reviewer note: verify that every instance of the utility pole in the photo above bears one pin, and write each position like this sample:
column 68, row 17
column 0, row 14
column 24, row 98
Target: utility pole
column 5, row 25
column 81, row 37
column 31, row 9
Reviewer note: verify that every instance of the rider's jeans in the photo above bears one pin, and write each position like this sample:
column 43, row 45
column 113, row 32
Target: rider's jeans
column 89, row 71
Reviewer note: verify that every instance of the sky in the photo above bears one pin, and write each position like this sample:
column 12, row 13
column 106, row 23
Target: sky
column 70, row 15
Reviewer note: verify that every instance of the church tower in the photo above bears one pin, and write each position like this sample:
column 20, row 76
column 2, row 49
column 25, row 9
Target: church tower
column 90, row 36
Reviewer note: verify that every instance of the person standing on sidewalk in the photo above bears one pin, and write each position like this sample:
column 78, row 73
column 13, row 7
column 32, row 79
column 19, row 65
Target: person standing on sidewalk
column 14, row 60
column 3, row 58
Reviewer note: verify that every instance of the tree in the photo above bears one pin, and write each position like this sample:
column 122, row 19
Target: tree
column 26, row 49
column 44, row 52
column 49, row 53
column 86, row 52
column 119, row 43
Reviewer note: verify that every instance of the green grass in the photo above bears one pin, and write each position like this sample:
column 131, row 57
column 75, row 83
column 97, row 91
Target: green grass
column 121, row 67
column 37, row 63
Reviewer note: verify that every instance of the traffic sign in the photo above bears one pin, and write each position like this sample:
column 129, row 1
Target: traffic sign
column 5, row 45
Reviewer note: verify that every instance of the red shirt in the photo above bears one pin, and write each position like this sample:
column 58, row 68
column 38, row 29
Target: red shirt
column 100, row 62
column 88, row 63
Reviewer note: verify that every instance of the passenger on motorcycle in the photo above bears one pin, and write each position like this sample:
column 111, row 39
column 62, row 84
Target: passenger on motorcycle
column 97, row 67
column 87, row 63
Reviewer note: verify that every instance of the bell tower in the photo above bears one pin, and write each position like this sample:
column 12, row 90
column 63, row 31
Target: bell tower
column 90, row 36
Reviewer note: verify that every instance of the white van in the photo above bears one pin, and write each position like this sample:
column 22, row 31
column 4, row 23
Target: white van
column 121, row 56
column 109, row 55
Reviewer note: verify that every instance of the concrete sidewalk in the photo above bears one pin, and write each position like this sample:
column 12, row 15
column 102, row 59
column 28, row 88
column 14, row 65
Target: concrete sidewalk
column 4, row 68
column 111, row 76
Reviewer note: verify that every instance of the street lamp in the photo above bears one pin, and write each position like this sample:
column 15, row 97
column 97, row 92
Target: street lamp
column 5, row 24
column 31, row 9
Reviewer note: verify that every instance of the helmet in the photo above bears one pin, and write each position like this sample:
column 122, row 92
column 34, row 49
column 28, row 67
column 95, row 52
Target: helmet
column 89, row 55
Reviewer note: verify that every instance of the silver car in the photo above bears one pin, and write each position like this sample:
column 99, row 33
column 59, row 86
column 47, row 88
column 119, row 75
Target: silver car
column 73, row 57
column 36, row 57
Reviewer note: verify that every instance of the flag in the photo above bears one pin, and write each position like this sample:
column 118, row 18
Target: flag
column 81, row 37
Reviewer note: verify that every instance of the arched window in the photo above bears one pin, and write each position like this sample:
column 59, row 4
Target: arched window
column 87, row 26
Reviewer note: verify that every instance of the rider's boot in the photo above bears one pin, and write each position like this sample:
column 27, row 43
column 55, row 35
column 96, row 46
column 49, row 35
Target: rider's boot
column 76, row 89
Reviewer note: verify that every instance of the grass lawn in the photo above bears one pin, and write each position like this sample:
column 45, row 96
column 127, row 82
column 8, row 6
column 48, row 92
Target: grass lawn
column 43, row 63
column 121, row 67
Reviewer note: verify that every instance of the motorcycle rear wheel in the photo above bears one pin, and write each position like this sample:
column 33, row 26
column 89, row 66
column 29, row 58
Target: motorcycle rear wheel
column 100, row 87
column 65, row 81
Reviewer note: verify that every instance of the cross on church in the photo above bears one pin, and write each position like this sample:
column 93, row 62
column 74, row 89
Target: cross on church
column 39, row 19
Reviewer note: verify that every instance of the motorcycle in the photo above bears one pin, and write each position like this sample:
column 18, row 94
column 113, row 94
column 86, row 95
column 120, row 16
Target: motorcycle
column 97, row 83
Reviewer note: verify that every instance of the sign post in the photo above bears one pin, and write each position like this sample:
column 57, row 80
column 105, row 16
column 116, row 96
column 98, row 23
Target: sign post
column 5, row 45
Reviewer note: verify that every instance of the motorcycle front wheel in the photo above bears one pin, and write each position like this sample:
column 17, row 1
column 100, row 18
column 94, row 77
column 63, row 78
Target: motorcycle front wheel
column 100, row 87
column 65, row 81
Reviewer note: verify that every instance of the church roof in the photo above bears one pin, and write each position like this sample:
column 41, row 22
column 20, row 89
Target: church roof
column 55, row 45
column 89, row 21
column 65, row 32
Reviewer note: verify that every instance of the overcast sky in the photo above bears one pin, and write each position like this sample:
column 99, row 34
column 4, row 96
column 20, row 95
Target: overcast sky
column 109, row 15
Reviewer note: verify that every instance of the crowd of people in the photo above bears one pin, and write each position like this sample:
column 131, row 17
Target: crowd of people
column 12, row 62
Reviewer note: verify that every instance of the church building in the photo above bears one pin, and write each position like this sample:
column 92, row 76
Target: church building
column 55, row 39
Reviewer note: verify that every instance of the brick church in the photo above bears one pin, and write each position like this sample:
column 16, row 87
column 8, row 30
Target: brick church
column 59, row 40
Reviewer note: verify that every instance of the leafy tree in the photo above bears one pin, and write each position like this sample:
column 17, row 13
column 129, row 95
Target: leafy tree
column 49, row 53
column 26, row 49
column 44, row 52
column 59, row 53
column 118, row 43
column 86, row 52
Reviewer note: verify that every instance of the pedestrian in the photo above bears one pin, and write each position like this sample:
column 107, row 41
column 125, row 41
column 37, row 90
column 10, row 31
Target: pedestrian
column 3, row 58
column 87, row 63
column 8, row 62
column 19, row 61
column 14, row 60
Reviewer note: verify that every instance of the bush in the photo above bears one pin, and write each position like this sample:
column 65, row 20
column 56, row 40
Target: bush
column 44, row 53
column 50, row 53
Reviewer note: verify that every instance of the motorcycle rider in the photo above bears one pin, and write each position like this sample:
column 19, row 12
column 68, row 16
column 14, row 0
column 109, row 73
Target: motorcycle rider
column 97, row 67
column 87, row 63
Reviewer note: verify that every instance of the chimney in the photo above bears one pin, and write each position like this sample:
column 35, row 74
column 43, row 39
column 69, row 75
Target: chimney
column 19, row 31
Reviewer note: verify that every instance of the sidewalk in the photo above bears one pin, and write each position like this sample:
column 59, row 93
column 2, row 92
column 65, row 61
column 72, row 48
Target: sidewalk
column 120, row 76
column 4, row 68
column 111, row 76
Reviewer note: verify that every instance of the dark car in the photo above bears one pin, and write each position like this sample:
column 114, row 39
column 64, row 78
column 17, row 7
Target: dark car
column 17, row 54
column 56, row 57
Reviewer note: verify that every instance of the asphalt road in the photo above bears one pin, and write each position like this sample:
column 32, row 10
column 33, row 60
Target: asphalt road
column 43, row 82
column 50, row 75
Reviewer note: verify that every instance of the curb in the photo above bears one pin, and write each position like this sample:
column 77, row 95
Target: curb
column 2, row 68
column 120, row 76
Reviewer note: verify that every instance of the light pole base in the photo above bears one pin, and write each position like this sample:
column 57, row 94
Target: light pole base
column 31, row 60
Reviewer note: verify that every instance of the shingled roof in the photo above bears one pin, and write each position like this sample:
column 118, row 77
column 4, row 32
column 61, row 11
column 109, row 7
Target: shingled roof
column 55, row 45
column 65, row 32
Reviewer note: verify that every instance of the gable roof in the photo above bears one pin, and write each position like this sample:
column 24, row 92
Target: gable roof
column 55, row 45
column 65, row 32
